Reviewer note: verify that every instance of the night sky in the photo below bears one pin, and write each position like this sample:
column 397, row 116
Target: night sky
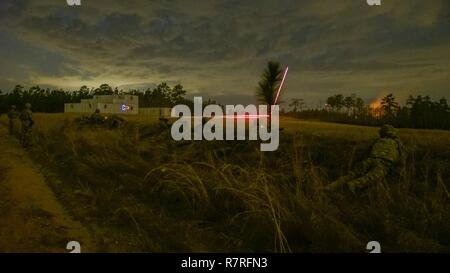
column 219, row 48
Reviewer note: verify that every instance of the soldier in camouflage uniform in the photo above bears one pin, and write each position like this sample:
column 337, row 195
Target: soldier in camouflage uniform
column 114, row 121
column 164, row 123
column 12, row 115
column 387, row 152
column 96, row 117
column 26, row 117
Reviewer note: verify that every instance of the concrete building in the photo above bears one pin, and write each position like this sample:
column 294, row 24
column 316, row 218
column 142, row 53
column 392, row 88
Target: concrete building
column 108, row 104
column 115, row 104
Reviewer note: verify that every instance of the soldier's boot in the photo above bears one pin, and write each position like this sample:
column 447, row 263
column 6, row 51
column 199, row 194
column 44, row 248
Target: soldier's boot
column 372, row 177
column 339, row 184
column 25, row 137
column 164, row 123
column 342, row 183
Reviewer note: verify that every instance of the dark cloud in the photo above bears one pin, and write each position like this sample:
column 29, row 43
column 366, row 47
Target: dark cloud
column 218, row 48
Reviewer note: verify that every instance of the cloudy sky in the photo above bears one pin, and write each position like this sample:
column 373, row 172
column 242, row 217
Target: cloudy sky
column 218, row 48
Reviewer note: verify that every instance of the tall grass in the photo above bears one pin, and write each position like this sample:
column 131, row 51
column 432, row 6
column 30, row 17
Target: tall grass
column 140, row 191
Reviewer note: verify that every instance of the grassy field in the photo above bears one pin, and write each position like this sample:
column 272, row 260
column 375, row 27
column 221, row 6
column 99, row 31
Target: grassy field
column 137, row 190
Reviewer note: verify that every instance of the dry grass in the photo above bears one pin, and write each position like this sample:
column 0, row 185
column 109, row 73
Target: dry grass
column 140, row 191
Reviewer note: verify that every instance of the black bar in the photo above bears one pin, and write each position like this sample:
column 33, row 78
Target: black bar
column 189, row 262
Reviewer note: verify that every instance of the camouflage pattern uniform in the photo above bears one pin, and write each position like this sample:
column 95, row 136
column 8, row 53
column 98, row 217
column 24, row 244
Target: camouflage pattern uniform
column 96, row 117
column 114, row 121
column 387, row 152
column 12, row 115
column 26, row 117
column 164, row 123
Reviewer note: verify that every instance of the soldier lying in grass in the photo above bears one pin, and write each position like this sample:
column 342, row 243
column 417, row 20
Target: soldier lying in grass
column 386, row 154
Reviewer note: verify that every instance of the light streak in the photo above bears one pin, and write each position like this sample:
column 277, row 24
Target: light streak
column 233, row 116
column 281, row 85
column 244, row 116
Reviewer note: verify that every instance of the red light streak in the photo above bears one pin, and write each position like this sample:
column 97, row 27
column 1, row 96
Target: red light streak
column 281, row 85
column 233, row 116
column 244, row 116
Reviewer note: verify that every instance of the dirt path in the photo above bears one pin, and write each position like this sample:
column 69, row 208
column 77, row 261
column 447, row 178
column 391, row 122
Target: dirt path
column 31, row 218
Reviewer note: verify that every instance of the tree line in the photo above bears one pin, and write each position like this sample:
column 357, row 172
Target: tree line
column 418, row 112
column 52, row 101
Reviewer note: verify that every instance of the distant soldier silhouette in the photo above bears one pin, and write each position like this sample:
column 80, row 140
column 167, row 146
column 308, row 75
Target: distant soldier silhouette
column 96, row 117
column 115, row 121
column 12, row 116
column 26, row 117
column 164, row 123
column 386, row 153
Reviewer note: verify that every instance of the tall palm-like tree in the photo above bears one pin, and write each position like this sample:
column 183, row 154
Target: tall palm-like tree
column 269, row 83
column 389, row 104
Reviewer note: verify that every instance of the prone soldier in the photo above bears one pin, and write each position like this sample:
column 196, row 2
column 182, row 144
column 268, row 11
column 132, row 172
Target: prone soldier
column 386, row 153
column 96, row 117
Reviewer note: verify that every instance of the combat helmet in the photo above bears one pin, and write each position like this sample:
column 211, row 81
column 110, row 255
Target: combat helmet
column 387, row 131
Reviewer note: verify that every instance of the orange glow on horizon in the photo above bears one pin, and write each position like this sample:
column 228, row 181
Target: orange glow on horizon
column 375, row 109
column 376, row 104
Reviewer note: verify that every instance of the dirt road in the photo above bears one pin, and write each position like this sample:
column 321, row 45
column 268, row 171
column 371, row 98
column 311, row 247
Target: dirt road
column 31, row 218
